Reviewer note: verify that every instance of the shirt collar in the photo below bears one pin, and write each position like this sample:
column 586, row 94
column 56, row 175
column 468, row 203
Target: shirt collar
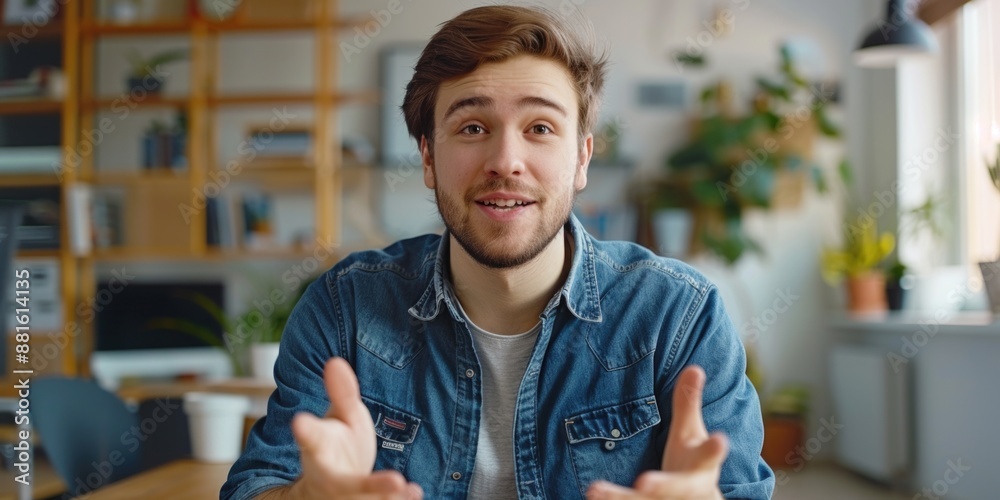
column 579, row 292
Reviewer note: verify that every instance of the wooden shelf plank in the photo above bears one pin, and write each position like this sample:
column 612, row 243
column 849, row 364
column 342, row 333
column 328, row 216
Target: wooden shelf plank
column 140, row 176
column 222, row 100
column 305, row 98
column 47, row 31
column 211, row 254
column 30, row 106
column 29, row 179
column 39, row 252
column 165, row 27
column 181, row 26
column 126, row 100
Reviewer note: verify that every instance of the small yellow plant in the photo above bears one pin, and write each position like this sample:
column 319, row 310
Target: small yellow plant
column 862, row 252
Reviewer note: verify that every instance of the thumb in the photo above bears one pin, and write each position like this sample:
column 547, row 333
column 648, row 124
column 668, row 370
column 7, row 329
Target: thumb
column 308, row 431
column 710, row 454
column 686, row 422
column 345, row 395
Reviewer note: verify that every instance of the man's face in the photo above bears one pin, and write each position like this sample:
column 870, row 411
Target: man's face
column 507, row 160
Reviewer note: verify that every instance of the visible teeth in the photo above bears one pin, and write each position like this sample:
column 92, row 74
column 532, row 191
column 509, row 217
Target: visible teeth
column 503, row 203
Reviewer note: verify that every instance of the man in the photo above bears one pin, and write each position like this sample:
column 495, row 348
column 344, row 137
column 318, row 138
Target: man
column 514, row 356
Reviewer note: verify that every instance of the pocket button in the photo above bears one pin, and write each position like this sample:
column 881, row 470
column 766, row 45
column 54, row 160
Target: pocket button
column 616, row 433
column 609, row 445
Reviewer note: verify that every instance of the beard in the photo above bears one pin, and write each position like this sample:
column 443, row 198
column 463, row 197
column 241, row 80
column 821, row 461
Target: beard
column 496, row 245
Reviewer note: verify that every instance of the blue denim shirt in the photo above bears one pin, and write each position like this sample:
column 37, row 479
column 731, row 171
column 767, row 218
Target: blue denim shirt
column 595, row 400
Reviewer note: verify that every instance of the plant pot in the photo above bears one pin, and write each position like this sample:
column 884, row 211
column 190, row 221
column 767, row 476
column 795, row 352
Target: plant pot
column 216, row 422
column 894, row 294
column 866, row 293
column 991, row 282
column 262, row 358
column 141, row 85
column 781, row 437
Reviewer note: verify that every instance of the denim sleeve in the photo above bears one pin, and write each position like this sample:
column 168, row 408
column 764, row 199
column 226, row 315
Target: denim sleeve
column 730, row 402
column 310, row 338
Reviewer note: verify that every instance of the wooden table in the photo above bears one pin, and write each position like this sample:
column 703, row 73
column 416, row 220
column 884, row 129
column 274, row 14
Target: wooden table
column 45, row 482
column 181, row 479
column 244, row 387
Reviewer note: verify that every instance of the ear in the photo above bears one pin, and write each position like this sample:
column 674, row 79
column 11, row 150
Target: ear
column 428, row 161
column 583, row 161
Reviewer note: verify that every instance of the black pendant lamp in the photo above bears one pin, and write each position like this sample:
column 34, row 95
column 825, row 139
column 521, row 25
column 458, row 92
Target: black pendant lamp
column 900, row 35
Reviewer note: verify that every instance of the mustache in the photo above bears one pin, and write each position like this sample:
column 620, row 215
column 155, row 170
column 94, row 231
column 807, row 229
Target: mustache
column 502, row 184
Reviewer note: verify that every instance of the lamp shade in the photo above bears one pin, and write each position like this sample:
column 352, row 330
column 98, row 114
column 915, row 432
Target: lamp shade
column 899, row 35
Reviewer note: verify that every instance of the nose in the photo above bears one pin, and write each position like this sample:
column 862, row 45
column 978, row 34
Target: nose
column 506, row 155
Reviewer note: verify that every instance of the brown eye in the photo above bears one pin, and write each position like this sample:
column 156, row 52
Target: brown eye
column 541, row 129
column 473, row 130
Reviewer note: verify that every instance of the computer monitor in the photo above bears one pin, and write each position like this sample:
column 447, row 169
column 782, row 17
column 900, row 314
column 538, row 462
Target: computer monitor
column 10, row 219
column 127, row 345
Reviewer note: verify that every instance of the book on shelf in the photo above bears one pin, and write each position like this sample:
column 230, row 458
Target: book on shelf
column 29, row 159
column 95, row 219
column 39, row 228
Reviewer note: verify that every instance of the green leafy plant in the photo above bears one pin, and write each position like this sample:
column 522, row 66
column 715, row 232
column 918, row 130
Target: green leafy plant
column 733, row 162
column 202, row 332
column 142, row 67
column 240, row 331
column 862, row 251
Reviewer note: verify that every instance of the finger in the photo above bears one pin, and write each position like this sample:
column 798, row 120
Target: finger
column 310, row 433
column 657, row 484
column 686, row 420
column 384, row 481
column 603, row 490
column 700, row 475
column 345, row 394
column 712, row 453
column 414, row 492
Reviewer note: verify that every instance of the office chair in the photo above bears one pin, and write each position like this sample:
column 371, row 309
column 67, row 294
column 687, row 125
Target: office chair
column 90, row 436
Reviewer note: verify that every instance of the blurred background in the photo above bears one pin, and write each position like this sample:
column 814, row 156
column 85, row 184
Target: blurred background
column 173, row 173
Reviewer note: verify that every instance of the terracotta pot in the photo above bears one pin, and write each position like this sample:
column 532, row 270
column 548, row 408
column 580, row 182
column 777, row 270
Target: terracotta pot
column 781, row 436
column 866, row 293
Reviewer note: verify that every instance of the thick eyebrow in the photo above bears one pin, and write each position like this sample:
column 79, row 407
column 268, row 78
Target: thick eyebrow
column 488, row 102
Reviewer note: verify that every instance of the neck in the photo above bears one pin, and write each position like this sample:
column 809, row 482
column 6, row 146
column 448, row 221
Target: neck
column 509, row 301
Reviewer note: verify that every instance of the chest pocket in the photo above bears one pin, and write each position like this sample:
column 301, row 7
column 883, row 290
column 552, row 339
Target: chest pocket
column 615, row 443
column 395, row 432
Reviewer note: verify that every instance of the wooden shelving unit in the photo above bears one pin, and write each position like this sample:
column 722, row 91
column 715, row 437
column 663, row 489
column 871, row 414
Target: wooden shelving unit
column 81, row 31
column 318, row 174
column 66, row 360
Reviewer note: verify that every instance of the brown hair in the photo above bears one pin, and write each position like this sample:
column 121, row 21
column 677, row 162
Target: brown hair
column 494, row 34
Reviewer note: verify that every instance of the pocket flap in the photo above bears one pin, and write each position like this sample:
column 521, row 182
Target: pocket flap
column 391, row 423
column 614, row 422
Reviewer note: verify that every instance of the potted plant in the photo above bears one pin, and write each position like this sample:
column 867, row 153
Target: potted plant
column 894, row 291
column 857, row 261
column 785, row 414
column 144, row 75
column 203, row 333
column 255, row 334
column 262, row 332
column 991, row 270
column 735, row 162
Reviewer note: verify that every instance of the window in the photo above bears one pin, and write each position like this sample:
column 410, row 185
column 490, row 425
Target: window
column 981, row 120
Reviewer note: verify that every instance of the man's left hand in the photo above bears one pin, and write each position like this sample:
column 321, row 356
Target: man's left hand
column 692, row 460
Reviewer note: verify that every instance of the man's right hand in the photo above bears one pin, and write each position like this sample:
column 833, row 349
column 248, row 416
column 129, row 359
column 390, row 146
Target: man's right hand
column 338, row 451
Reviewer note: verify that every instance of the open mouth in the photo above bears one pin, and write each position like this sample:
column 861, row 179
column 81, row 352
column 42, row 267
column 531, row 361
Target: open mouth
column 505, row 205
